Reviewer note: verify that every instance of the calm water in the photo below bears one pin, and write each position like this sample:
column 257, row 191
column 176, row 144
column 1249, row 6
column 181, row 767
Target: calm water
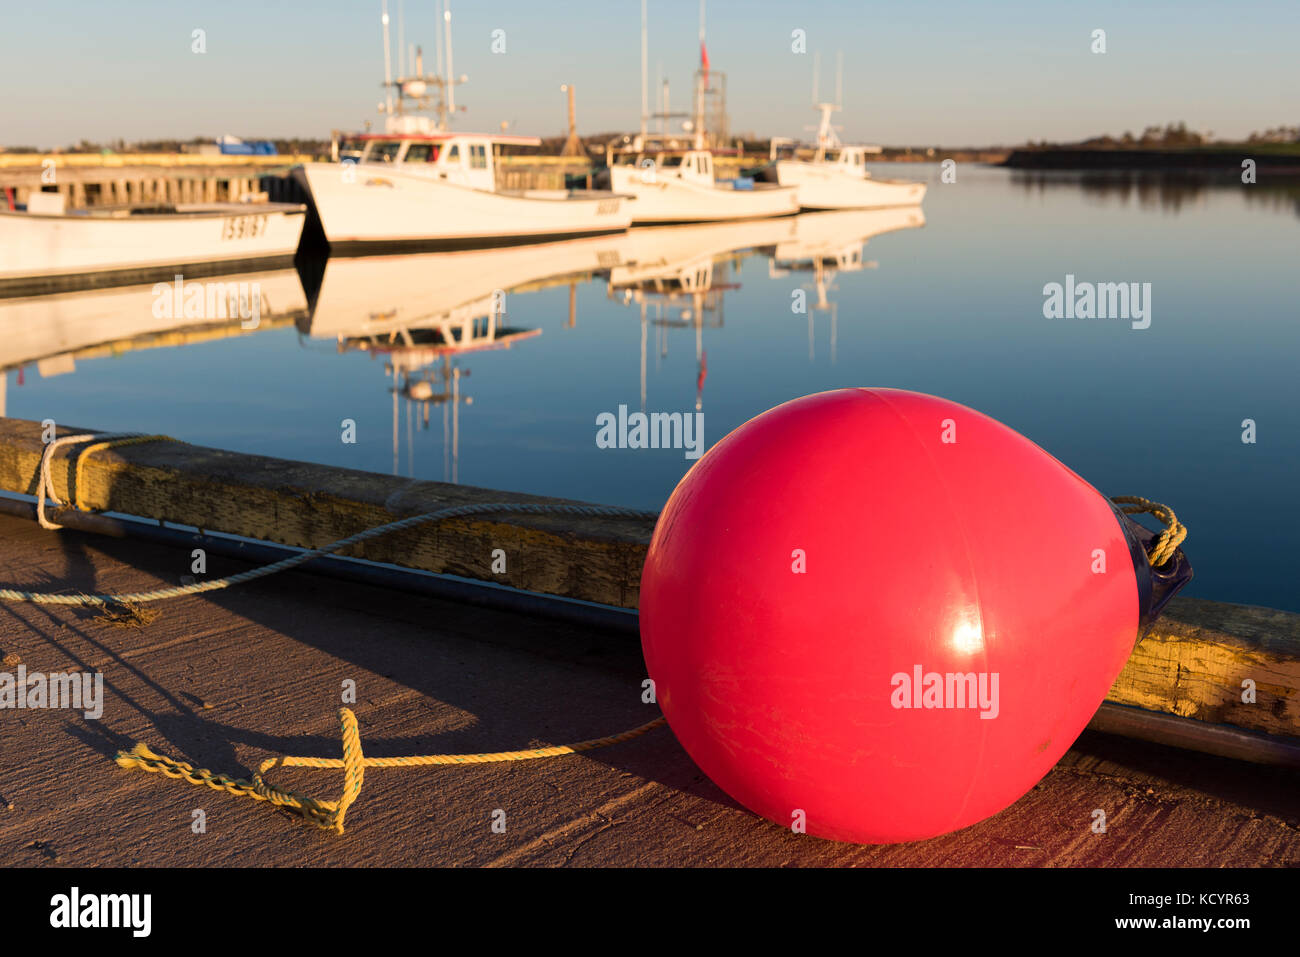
column 953, row 306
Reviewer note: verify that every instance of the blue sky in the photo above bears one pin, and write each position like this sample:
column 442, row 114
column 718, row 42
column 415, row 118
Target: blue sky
column 949, row 73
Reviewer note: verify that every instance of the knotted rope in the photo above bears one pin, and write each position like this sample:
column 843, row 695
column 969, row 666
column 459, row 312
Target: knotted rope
column 1167, row 542
column 329, row 815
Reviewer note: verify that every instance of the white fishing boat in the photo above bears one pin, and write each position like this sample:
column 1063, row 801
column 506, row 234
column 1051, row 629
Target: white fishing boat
column 675, row 185
column 46, row 246
column 437, row 190
column 679, row 186
column 421, row 186
column 836, row 175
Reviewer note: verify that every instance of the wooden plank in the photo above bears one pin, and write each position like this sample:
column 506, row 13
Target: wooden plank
column 1194, row 663
column 304, row 505
column 1198, row 658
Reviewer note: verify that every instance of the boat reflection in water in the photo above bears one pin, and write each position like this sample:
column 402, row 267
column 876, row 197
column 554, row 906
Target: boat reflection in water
column 422, row 314
column 54, row 331
column 830, row 243
column 683, row 272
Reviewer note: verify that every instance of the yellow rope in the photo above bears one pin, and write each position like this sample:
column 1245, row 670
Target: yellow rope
column 108, row 444
column 1167, row 542
column 329, row 815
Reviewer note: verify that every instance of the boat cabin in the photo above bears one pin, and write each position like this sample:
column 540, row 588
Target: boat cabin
column 694, row 166
column 850, row 159
column 465, row 159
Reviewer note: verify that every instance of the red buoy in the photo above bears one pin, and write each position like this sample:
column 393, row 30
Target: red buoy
column 885, row 616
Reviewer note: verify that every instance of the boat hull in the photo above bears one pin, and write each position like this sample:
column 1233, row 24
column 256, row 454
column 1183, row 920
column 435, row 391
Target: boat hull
column 662, row 200
column 382, row 211
column 823, row 186
column 39, row 250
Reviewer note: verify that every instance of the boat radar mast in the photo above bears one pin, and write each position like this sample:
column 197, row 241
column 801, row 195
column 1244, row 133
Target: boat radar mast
column 420, row 92
column 827, row 137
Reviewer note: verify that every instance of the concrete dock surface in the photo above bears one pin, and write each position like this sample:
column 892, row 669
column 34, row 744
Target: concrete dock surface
column 227, row 679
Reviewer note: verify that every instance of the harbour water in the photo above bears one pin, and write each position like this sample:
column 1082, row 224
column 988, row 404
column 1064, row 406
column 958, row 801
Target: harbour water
column 1199, row 409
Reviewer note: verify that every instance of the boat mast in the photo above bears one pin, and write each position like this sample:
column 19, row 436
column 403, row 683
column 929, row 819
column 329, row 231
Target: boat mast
column 450, row 99
column 401, row 37
column 388, row 65
column 645, row 93
column 826, row 136
column 662, row 82
column 437, row 39
column 699, row 95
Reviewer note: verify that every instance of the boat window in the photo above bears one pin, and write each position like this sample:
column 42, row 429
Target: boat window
column 667, row 161
column 422, row 153
column 477, row 156
column 384, row 151
column 453, row 155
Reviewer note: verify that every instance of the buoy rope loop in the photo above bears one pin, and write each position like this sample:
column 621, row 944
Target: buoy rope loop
column 1166, row 543
column 330, row 815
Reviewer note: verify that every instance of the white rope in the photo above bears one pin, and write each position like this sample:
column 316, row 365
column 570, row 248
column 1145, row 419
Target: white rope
column 45, row 487
column 45, row 483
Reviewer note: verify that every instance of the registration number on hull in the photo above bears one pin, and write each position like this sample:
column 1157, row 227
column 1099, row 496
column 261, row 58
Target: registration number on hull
column 243, row 227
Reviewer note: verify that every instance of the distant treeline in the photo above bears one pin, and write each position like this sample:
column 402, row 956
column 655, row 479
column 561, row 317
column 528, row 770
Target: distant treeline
column 1172, row 136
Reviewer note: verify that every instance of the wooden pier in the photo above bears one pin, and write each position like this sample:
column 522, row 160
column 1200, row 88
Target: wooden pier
column 228, row 678
column 89, row 179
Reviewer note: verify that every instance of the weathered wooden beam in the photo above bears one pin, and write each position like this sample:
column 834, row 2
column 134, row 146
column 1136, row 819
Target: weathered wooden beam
column 304, row 505
column 1208, row 660
column 1223, row 664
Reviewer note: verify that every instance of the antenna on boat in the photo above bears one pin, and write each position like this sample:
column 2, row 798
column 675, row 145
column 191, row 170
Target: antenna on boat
column 645, row 92
column 388, row 64
column 451, row 87
column 437, row 37
column 401, row 37
column 826, row 135
column 662, row 84
column 700, row 141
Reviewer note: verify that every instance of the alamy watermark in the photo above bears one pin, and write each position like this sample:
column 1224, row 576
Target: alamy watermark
column 930, row 689
column 1105, row 300
column 79, row 691
column 656, row 430
column 209, row 300
column 75, row 909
